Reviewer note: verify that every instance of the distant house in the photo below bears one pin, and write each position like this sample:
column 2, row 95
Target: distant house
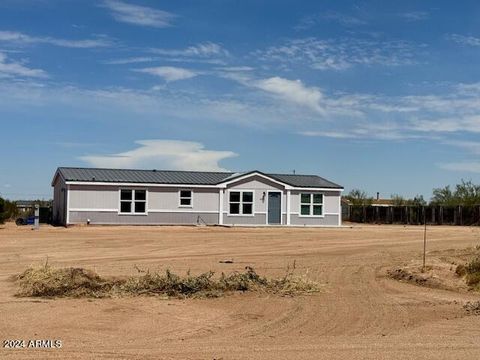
column 158, row 197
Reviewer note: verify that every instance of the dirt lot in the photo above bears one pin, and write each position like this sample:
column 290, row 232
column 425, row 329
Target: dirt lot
column 359, row 314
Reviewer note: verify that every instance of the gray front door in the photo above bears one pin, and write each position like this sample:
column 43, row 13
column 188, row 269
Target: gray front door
column 274, row 207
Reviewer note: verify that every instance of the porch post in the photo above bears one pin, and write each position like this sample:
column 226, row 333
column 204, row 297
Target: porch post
column 288, row 206
column 220, row 207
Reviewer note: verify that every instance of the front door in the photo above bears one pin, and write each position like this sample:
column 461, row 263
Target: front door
column 275, row 208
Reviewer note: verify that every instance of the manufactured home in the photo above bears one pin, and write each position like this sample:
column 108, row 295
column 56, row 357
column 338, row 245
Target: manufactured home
column 159, row 197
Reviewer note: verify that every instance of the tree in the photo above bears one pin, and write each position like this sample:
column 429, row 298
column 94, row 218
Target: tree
column 465, row 193
column 2, row 210
column 359, row 197
column 418, row 200
column 443, row 196
column 398, row 200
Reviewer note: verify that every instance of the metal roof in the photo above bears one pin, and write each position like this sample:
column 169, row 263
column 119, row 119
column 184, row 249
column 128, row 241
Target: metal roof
column 182, row 177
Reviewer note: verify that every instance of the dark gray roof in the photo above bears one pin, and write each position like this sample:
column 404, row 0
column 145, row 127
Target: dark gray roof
column 182, row 177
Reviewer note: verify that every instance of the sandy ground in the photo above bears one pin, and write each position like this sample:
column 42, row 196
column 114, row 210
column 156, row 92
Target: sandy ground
column 359, row 314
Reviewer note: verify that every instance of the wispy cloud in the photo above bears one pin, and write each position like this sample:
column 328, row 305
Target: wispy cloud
column 138, row 15
column 9, row 68
column 312, row 20
column 293, row 91
column 130, row 60
column 207, row 49
column 206, row 52
column 415, row 16
column 163, row 154
column 169, row 73
column 465, row 40
column 340, row 54
column 461, row 166
column 16, row 37
column 471, row 146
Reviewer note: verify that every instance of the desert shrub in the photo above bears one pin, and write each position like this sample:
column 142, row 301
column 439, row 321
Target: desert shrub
column 473, row 279
column 473, row 266
column 461, row 270
column 47, row 281
column 471, row 271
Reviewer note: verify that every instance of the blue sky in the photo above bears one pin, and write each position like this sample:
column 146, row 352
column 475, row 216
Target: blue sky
column 382, row 96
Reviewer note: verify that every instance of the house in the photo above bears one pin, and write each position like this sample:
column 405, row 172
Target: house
column 158, row 197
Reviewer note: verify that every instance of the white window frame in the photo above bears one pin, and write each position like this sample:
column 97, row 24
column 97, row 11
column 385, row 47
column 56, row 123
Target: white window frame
column 241, row 202
column 180, row 198
column 132, row 202
column 311, row 204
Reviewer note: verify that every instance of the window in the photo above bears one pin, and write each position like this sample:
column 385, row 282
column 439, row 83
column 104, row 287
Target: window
column 241, row 202
column 311, row 204
column 185, row 198
column 133, row 201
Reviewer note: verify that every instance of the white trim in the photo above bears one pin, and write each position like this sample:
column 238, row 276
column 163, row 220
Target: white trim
column 241, row 191
column 316, row 189
column 298, row 214
column 99, row 210
column 182, row 210
column 220, row 206
column 149, row 211
column 289, row 204
column 67, row 218
column 255, row 173
column 339, row 211
column 139, row 185
column 281, row 204
column 132, row 202
column 180, row 198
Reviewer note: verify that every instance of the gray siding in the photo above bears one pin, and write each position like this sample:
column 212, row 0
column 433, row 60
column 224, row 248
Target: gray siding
column 328, row 220
column 258, row 219
column 259, row 186
column 331, row 201
column 94, row 197
column 112, row 218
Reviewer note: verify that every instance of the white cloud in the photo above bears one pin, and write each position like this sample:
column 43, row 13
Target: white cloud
column 20, row 38
column 464, row 39
column 471, row 146
column 292, row 90
column 169, row 73
column 207, row 49
column 415, row 16
column 340, row 54
column 163, row 154
column 310, row 21
column 330, row 134
column 449, row 125
column 13, row 69
column 463, row 166
column 131, row 60
column 139, row 15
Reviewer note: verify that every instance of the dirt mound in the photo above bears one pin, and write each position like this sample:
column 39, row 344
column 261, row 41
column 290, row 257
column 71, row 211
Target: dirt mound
column 452, row 269
column 47, row 281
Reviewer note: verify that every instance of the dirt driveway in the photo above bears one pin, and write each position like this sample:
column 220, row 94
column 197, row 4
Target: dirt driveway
column 359, row 314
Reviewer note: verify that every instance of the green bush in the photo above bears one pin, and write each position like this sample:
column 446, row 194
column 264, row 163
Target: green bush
column 471, row 271
column 2, row 211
